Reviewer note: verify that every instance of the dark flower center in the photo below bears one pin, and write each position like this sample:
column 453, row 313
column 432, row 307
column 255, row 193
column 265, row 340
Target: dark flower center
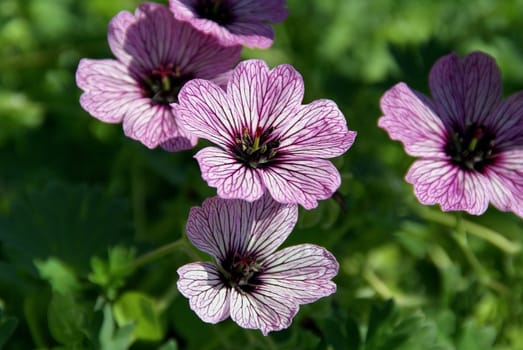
column 241, row 272
column 471, row 149
column 163, row 84
column 218, row 11
column 256, row 151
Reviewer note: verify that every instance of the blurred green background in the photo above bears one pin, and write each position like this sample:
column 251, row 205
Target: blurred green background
column 79, row 202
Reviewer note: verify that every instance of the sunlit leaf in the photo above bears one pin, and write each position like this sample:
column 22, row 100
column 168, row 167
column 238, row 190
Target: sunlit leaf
column 110, row 274
column 68, row 320
column 138, row 308
column 62, row 278
column 111, row 339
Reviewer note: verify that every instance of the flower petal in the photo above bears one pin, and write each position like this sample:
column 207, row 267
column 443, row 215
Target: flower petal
column 155, row 124
column 109, row 92
column 200, row 282
column 248, row 27
column 437, row 181
column 465, row 91
column 246, row 91
column 482, row 86
column 266, row 11
column 250, row 34
column 409, row 120
column 317, row 130
column 265, row 98
column 204, row 111
column 505, row 181
column 231, row 178
column 199, row 54
column 273, row 223
column 145, row 41
column 446, row 86
column 265, row 309
column 117, row 35
column 301, row 181
column 153, row 37
column 221, row 226
column 506, row 122
column 305, row 271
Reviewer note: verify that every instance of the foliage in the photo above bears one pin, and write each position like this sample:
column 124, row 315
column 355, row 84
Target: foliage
column 79, row 203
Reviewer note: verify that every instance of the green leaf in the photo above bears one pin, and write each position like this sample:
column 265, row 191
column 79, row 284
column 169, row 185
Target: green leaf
column 140, row 309
column 475, row 337
column 170, row 345
column 7, row 328
column 17, row 114
column 61, row 278
column 379, row 315
column 388, row 329
column 111, row 274
column 70, row 223
column 68, row 320
column 121, row 339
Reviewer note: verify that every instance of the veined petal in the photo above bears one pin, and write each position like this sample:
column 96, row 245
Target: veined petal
column 283, row 96
column 109, row 92
column 221, row 226
column 209, row 298
column 505, row 181
column 265, row 309
column 482, row 87
column 200, row 54
column 246, row 89
column 153, row 37
column 466, row 91
column 273, row 223
column 506, row 122
column 409, row 120
column 305, row 271
column 247, row 26
column 146, row 41
column 301, row 181
column 317, row 130
column 231, row 178
column 155, row 124
column 266, row 11
column 181, row 141
column 117, row 35
column 438, row 181
column 446, row 85
column 265, row 98
column 204, row 111
column 250, row 34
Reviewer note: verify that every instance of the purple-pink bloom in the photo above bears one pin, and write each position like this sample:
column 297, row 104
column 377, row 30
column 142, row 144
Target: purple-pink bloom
column 156, row 55
column 233, row 22
column 267, row 140
column 250, row 282
column 469, row 139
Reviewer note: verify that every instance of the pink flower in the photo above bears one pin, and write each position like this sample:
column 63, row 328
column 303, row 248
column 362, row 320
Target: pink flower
column 470, row 140
column 267, row 140
column 250, row 282
column 233, row 22
column 155, row 55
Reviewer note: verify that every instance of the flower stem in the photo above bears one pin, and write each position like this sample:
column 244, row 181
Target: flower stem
column 157, row 253
column 479, row 231
column 385, row 292
column 462, row 239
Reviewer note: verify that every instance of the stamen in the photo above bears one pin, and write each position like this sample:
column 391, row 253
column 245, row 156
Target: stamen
column 164, row 83
column 471, row 149
column 257, row 151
